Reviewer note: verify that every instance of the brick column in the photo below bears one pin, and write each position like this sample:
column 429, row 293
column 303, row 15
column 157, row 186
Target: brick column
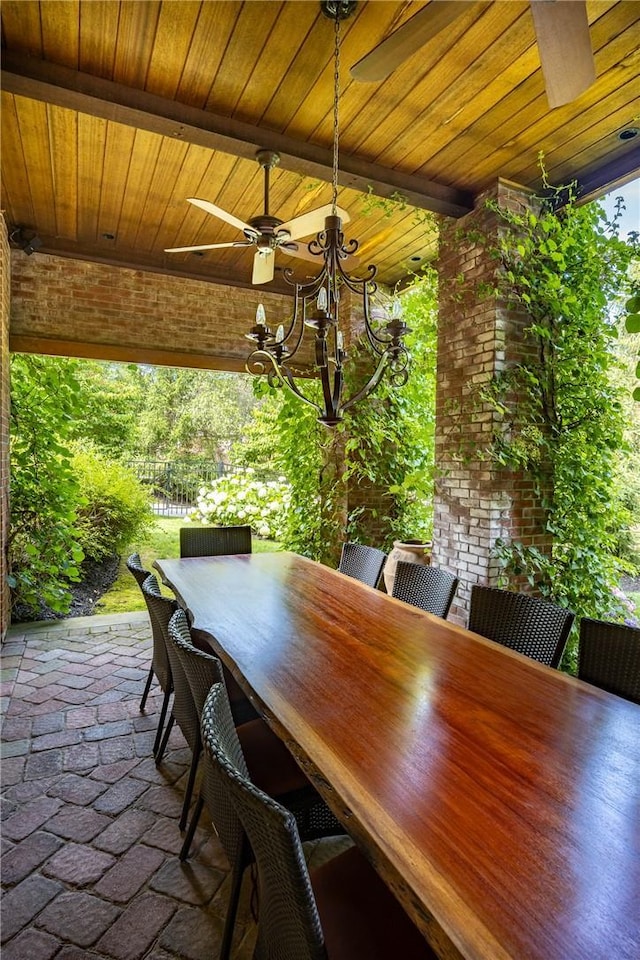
column 5, row 280
column 475, row 501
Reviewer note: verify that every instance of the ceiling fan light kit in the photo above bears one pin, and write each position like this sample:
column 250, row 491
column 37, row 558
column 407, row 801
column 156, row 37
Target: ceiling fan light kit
column 316, row 307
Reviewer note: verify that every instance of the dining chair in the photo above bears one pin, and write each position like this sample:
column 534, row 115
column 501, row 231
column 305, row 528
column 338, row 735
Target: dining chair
column 160, row 609
column 533, row 627
column 214, row 541
column 134, row 566
column 609, row 657
column 269, row 761
column 362, row 563
column 341, row 911
column 424, row 586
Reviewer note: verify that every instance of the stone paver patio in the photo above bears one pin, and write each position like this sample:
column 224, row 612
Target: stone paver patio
column 89, row 824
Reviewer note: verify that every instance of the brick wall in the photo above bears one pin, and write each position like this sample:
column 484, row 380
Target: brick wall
column 5, row 279
column 475, row 502
column 89, row 309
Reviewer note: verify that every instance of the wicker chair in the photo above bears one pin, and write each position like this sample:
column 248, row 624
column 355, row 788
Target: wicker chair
column 214, row 541
column 533, row 627
column 609, row 657
column 342, row 910
column 426, row 587
column 160, row 609
column 362, row 563
column 160, row 667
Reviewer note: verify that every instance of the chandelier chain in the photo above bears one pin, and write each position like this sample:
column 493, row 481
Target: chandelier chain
column 336, row 129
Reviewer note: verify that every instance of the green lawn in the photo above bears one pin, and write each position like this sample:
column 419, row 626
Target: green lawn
column 163, row 541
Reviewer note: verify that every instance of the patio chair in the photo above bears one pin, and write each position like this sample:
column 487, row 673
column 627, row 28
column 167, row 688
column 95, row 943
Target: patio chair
column 160, row 667
column 535, row 628
column 214, row 541
column 609, row 657
column 160, row 609
column 341, row 911
column 425, row 586
column 362, row 563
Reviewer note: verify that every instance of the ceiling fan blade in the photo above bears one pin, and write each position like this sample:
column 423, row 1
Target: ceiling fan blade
column 220, row 213
column 564, row 45
column 300, row 251
column 263, row 268
column 407, row 39
column 311, row 222
column 209, row 246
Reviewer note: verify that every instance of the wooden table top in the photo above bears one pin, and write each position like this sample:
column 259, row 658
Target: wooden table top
column 499, row 798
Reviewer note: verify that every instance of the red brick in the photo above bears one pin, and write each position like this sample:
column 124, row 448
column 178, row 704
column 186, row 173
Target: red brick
column 126, row 830
column 75, row 789
column 65, row 738
column 121, row 795
column 24, row 902
column 77, row 823
column 191, row 882
column 110, row 772
column 135, row 930
column 31, row 945
column 78, row 865
column 24, row 858
column 90, row 917
column 30, row 817
column 131, row 872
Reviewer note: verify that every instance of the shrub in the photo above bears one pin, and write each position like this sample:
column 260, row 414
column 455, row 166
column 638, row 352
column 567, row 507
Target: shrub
column 116, row 510
column 242, row 498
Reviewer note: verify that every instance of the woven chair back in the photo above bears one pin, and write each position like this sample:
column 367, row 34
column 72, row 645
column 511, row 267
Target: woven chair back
column 159, row 614
column 289, row 927
column 134, row 566
column 609, row 657
column 362, row 563
column 201, row 669
column 426, row 587
column 214, row 541
column 184, row 711
column 533, row 627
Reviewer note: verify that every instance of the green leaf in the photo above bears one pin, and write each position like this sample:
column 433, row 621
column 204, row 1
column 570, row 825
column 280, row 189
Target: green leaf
column 632, row 323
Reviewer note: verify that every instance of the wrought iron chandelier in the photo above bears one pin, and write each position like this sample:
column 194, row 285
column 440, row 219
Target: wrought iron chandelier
column 316, row 306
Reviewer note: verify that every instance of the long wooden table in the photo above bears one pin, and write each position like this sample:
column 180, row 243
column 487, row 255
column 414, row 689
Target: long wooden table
column 500, row 799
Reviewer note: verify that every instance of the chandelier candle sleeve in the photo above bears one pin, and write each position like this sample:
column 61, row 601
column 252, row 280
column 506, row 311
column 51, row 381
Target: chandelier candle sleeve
column 316, row 306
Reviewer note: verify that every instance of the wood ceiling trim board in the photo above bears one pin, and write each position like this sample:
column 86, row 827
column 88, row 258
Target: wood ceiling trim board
column 394, row 92
column 248, row 38
column 60, row 32
column 14, row 169
column 92, row 143
column 194, row 165
column 170, row 161
column 63, row 128
column 174, row 34
column 594, row 133
column 22, row 27
column 209, row 42
column 103, row 98
column 143, row 161
column 313, row 116
column 448, row 71
column 98, row 32
column 517, row 111
column 602, row 156
column 265, row 99
column 85, row 350
column 103, row 252
column 117, row 154
column 136, row 36
column 457, row 111
column 34, row 132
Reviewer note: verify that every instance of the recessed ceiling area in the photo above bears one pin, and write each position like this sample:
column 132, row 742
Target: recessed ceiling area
column 114, row 113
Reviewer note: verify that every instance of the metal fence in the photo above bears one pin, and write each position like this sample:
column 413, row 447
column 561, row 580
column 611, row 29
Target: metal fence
column 174, row 485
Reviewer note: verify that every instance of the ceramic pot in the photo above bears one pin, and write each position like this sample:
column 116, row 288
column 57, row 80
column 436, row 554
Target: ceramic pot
column 411, row 551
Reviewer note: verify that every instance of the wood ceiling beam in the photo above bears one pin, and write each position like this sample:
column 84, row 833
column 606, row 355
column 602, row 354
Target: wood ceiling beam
column 605, row 178
column 94, row 96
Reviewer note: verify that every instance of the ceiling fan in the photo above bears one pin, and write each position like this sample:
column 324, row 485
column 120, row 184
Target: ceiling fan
column 264, row 231
column 562, row 35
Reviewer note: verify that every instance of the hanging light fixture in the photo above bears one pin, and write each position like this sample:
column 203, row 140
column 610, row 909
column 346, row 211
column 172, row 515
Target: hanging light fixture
column 316, row 305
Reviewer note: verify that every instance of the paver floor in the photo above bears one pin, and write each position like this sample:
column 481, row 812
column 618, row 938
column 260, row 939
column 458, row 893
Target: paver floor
column 89, row 824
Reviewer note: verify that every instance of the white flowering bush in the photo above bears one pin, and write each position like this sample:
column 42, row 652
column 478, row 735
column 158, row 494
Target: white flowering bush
column 241, row 498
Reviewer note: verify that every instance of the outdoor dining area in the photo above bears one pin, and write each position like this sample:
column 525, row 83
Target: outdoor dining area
column 456, row 790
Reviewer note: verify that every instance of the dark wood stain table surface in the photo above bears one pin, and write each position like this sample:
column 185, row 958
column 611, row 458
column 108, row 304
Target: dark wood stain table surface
column 500, row 799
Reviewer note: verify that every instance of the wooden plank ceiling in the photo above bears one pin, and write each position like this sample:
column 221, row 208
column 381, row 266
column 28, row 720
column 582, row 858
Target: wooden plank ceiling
column 114, row 112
